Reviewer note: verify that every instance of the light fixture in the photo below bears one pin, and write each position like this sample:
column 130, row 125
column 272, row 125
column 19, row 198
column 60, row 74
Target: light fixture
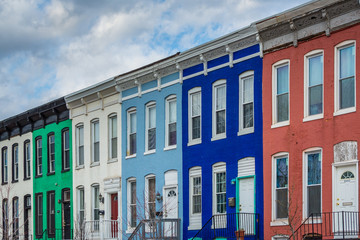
column 158, row 197
column 101, row 198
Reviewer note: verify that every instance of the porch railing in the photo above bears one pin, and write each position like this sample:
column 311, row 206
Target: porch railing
column 167, row 229
column 328, row 224
column 100, row 229
column 225, row 226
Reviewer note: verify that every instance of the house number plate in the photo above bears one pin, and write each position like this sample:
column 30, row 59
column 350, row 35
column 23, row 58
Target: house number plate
column 347, row 203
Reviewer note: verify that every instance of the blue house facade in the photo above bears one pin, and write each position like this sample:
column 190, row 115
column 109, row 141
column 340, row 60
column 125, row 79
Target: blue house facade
column 151, row 148
column 222, row 137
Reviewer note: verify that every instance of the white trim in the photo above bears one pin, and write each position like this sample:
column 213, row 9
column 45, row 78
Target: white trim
column 77, row 141
column 217, row 168
column 147, row 195
column 168, row 100
column 129, row 229
column 194, row 172
column 307, row 116
column 274, row 220
column 110, row 128
column 275, row 122
column 93, row 123
column 215, row 85
column 93, row 197
column 195, row 90
column 149, row 105
column 337, row 110
column 170, row 148
column 243, row 77
column 128, row 131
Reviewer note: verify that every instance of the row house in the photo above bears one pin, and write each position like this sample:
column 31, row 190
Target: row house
column 222, row 137
column 96, row 122
column 311, row 129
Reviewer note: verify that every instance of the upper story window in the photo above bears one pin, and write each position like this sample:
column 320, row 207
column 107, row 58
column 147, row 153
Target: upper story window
column 314, row 77
column 65, row 149
column 281, row 92
column 246, row 96
column 170, row 121
column 38, row 156
column 195, row 115
column 15, row 163
column 80, row 145
column 150, row 127
column 345, row 77
column 280, row 186
column 219, row 109
column 27, row 159
column 4, row 165
column 112, row 136
column 51, row 153
column 95, row 141
column 131, row 132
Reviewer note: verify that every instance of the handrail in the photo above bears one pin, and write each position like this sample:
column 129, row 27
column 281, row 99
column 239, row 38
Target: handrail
column 203, row 227
column 136, row 230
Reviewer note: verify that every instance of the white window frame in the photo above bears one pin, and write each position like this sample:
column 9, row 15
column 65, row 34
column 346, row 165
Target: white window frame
column 195, row 219
column 64, row 149
column 169, row 100
column 49, row 142
column 128, row 132
column 5, row 165
column 277, row 221
column 337, row 110
column 219, row 167
column 38, row 165
column 78, row 146
column 307, row 116
column 215, row 85
column 191, row 141
column 94, row 198
column 275, row 123
column 147, row 121
column 79, row 190
column 243, row 77
column 16, row 162
column 128, row 201
column 27, row 159
column 147, row 195
column 305, row 178
column 93, row 123
column 111, row 137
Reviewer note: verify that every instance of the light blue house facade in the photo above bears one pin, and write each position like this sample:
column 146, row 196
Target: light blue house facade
column 151, row 145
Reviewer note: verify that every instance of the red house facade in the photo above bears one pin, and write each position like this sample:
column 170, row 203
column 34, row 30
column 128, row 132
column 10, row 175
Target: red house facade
column 311, row 120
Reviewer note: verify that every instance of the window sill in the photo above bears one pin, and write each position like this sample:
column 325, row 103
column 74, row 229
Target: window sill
column 4, row 183
column 194, row 142
column 50, row 173
column 14, row 181
column 279, row 223
column 314, row 220
column 345, row 111
column 194, row 227
column 65, row 170
column 112, row 160
column 131, row 156
column 245, row 131
column 313, row 117
column 38, row 176
column 280, row 124
column 95, row 164
column 218, row 137
column 169, row 147
column 149, row 152
column 79, row 167
column 27, row 178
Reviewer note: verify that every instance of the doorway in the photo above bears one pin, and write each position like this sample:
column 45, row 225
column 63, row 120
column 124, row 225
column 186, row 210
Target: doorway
column 114, row 215
column 246, row 204
column 66, row 216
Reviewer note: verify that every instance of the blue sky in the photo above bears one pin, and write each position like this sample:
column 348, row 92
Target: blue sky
column 50, row 48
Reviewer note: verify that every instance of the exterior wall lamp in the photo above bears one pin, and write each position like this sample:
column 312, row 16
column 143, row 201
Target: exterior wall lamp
column 158, row 197
column 101, row 198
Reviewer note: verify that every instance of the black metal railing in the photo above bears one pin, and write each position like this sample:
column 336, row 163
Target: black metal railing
column 61, row 233
column 226, row 226
column 165, row 228
column 329, row 224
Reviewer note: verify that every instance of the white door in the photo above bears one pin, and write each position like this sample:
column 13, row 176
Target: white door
column 345, row 199
column 246, row 206
column 170, row 211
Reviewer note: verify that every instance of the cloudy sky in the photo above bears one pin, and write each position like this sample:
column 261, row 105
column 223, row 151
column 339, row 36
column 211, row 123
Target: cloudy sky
column 49, row 48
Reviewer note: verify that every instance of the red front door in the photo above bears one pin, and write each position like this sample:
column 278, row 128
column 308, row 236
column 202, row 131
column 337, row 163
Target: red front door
column 114, row 214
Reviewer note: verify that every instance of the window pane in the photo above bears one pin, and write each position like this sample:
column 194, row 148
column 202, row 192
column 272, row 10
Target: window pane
column 66, row 139
column 248, row 89
column 172, row 111
column 220, row 97
column 315, row 100
column 221, row 203
column 96, row 131
column 81, row 136
column 248, row 120
column 172, row 134
column 96, row 152
column 151, row 139
column 81, row 155
column 220, row 122
column 282, row 74
column 152, row 117
column 196, row 204
column 283, row 107
column 314, row 199
column 114, row 147
column 347, row 93
column 282, row 203
column 347, row 62
column 132, row 122
column 196, row 104
column 314, row 168
column 196, row 127
column 315, row 70
column 113, row 126
column 281, row 173
column 132, row 143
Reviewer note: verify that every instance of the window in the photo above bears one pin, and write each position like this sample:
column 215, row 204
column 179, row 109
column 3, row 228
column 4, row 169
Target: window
column 38, row 157
column 5, row 217
column 51, row 153
column 65, row 149
column 131, row 203
column 51, row 214
column 314, row 83
column 4, row 165
column 150, row 197
column 150, row 128
column 246, row 96
column 80, row 145
column 219, row 188
column 281, row 92
column 15, row 163
column 195, row 115
column 95, row 204
column 345, row 76
column 131, row 132
column 81, row 205
column 219, row 109
column 312, row 193
column 170, row 121
column 39, row 214
column 95, row 141
column 280, row 194
column 15, row 220
column 112, row 136
column 27, row 160
column 195, row 198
